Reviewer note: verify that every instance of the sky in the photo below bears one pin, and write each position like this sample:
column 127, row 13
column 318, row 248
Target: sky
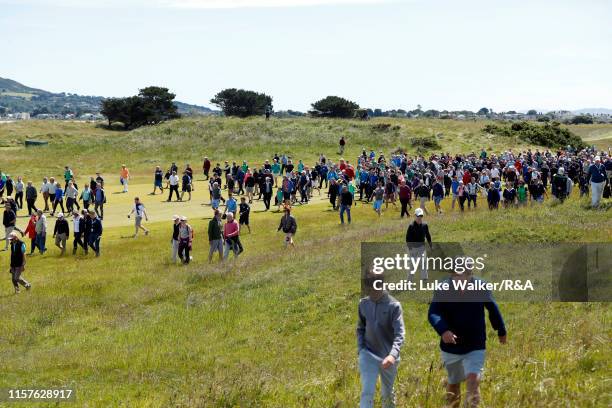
column 389, row 54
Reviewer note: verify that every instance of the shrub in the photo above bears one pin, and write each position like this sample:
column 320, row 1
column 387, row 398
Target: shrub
column 581, row 119
column 425, row 143
column 385, row 127
column 549, row 134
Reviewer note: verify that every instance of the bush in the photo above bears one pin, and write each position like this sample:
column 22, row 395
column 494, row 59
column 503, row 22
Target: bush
column 549, row 134
column 425, row 143
column 385, row 127
column 581, row 119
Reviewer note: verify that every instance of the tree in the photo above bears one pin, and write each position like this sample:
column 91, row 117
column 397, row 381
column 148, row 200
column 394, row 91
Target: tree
column 152, row 105
column 586, row 119
column 334, row 107
column 115, row 110
column 242, row 103
column 532, row 112
column 157, row 105
column 483, row 111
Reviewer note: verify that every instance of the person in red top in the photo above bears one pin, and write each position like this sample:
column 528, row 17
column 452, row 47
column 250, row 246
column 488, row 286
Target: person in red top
column 405, row 194
column 206, row 167
column 467, row 177
column 30, row 231
column 342, row 165
column 349, row 171
column 231, row 234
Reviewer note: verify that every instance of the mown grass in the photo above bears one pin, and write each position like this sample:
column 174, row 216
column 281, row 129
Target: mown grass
column 276, row 328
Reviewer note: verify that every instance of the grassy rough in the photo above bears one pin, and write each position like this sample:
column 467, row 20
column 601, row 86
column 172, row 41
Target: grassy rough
column 274, row 328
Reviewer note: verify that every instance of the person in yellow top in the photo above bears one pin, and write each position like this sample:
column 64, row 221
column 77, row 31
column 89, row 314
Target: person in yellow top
column 124, row 177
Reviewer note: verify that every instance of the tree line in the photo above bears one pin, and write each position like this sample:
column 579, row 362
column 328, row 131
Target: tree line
column 154, row 104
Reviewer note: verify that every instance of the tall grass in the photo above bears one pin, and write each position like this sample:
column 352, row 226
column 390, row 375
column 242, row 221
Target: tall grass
column 275, row 328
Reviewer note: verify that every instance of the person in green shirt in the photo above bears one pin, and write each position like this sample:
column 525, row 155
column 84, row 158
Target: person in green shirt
column 215, row 237
column 276, row 171
column 68, row 176
column 521, row 193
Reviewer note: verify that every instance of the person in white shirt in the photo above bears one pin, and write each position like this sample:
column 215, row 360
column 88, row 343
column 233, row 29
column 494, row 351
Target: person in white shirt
column 44, row 190
column 140, row 212
column 78, row 228
column 41, row 231
column 174, row 183
column 494, row 173
column 71, row 196
column 19, row 188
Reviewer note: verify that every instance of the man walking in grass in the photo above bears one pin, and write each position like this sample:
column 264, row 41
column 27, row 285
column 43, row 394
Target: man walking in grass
column 44, row 190
column 380, row 335
column 176, row 220
column 41, row 231
column 9, row 221
column 289, row 226
column 158, row 180
column 346, row 202
column 597, row 176
column 140, row 212
column 215, row 236
column 78, row 228
column 186, row 185
column 61, row 232
column 100, row 200
column 18, row 260
column 173, row 183
column 185, row 237
column 95, row 233
column 31, row 194
column 416, row 235
column 68, row 176
column 124, row 177
column 458, row 316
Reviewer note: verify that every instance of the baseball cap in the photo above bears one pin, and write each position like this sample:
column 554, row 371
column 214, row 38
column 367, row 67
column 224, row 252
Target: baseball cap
column 418, row 212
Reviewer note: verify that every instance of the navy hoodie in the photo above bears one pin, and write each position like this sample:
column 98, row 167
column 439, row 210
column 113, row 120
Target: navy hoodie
column 465, row 318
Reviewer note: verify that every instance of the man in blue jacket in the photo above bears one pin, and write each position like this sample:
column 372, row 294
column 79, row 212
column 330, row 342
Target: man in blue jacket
column 95, row 234
column 458, row 316
column 597, row 176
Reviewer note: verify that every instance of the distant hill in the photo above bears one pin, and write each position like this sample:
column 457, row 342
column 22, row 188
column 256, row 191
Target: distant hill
column 16, row 97
column 10, row 86
column 594, row 111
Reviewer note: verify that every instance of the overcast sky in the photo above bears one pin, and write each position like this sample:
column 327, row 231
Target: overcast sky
column 443, row 54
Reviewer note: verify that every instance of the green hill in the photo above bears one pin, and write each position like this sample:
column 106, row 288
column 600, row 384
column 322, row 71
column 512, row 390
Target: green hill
column 16, row 97
column 10, row 86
